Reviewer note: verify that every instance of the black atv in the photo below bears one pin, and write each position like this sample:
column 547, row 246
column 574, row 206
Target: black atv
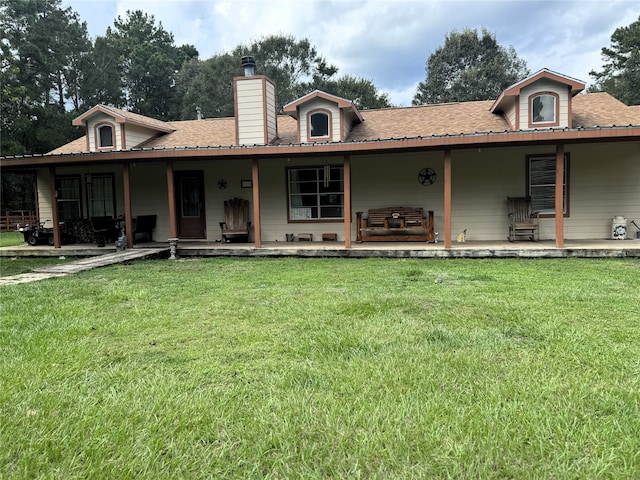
column 35, row 234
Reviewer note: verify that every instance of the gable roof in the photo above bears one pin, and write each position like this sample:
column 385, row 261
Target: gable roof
column 576, row 85
column 449, row 119
column 122, row 116
column 292, row 107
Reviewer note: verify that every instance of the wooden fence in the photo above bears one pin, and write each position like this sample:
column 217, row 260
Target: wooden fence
column 10, row 222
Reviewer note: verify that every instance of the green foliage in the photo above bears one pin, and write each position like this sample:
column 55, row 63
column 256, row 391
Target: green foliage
column 620, row 74
column 147, row 61
column 469, row 67
column 41, row 45
column 294, row 65
column 323, row 368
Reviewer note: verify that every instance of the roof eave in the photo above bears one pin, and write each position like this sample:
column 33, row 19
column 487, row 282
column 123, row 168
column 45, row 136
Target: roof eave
column 439, row 142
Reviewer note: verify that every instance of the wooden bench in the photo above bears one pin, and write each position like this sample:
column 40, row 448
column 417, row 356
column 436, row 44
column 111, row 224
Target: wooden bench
column 395, row 224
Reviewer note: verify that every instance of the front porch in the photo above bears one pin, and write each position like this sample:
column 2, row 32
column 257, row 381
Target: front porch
column 470, row 249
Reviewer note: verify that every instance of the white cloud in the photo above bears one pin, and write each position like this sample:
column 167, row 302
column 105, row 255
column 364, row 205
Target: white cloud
column 386, row 41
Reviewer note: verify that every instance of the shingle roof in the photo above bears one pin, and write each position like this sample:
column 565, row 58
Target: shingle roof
column 589, row 110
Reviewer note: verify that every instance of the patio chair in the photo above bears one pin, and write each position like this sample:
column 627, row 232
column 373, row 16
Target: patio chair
column 522, row 221
column 104, row 230
column 235, row 227
column 143, row 227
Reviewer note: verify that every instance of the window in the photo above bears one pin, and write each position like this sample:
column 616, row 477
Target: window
column 541, row 179
column 543, row 109
column 104, row 136
column 319, row 122
column 316, row 193
column 100, row 195
column 68, row 196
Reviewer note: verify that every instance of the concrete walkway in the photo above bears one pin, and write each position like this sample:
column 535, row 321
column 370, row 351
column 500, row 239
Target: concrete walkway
column 62, row 269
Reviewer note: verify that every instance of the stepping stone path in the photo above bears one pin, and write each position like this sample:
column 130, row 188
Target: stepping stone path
column 59, row 270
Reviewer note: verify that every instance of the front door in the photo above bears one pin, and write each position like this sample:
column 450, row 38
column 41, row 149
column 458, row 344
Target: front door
column 190, row 204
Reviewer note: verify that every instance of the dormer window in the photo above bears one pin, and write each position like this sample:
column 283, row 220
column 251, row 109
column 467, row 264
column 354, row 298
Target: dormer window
column 104, row 136
column 319, row 124
column 543, row 109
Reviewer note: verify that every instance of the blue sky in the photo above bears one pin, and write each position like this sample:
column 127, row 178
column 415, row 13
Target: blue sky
column 387, row 41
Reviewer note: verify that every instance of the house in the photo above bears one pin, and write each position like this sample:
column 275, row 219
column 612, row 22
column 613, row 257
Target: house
column 312, row 167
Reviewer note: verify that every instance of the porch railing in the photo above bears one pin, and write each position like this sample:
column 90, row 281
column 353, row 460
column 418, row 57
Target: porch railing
column 11, row 221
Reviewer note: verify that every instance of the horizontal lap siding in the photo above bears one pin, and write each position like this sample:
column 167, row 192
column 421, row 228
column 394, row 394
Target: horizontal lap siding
column 544, row 86
column 604, row 183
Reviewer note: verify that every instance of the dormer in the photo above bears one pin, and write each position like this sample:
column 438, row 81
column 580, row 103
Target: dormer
column 540, row 101
column 323, row 117
column 109, row 128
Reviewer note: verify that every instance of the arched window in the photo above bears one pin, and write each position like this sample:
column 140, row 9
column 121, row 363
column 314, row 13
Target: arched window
column 543, row 108
column 104, row 136
column 319, row 124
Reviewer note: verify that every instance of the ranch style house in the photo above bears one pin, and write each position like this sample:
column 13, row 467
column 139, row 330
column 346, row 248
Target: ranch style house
column 321, row 167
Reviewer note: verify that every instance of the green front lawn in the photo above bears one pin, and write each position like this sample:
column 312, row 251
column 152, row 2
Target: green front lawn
column 11, row 238
column 324, row 368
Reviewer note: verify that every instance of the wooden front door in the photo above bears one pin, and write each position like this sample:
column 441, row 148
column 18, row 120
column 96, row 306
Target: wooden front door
column 190, row 210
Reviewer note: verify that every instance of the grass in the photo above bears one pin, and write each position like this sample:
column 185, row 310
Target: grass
column 324, row 368
column 11, row 239
column 17, row 265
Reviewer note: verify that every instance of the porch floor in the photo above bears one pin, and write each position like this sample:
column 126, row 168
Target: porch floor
column 472, row 249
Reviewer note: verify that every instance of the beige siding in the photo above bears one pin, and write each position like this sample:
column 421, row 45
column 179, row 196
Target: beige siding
column 544, row 85
column 336, row 128
column 45, row 209
column 603, row 184
column 272, row 130
column 100, row 117
column 233, row 171
column 250, row 111
column 135, row 135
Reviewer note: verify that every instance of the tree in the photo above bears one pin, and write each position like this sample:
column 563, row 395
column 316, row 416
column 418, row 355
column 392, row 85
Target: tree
column 469, row 67
column 146, row 65
column 620, row 74
column 294, row 65
column 361, row 91
column 39, row 44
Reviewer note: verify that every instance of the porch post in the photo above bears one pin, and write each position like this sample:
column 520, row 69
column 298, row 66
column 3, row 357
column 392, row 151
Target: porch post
column 559, row 195
column 447, row 198
column 347, row 201
column 128, row 222
column 171, row 195
column 256, row 203
column 57, row 241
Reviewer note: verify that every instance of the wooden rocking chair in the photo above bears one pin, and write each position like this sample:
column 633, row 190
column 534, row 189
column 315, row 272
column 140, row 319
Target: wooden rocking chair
column 522, row 222
column 235, row 227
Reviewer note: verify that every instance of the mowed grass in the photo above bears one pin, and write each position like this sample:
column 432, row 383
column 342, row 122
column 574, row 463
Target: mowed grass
column 324, row 368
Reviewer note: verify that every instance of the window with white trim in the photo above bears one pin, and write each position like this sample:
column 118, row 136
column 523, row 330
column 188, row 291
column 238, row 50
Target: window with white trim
column 544, row 109
column 541, row 184
column 319, row 124
column 315, row 193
